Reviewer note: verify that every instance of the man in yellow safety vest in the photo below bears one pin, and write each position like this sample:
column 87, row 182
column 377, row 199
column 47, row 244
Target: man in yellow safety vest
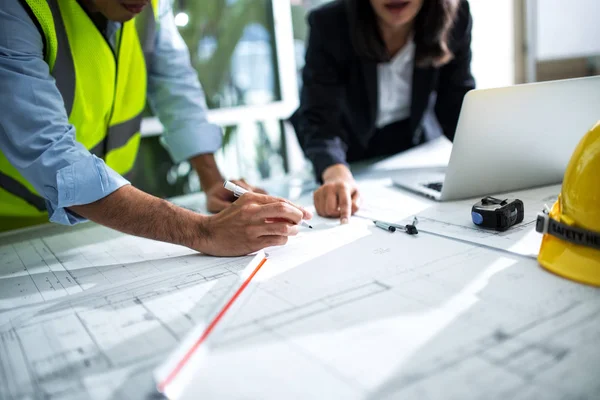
column 74, row 76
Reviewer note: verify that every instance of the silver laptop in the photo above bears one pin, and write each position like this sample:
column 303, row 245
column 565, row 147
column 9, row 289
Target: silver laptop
column 511, row 138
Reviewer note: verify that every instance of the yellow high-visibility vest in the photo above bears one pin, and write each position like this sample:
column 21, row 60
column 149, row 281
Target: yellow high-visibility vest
column 104, row 94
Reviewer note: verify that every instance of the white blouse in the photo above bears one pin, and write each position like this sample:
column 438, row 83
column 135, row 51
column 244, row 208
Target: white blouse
column 395, row 86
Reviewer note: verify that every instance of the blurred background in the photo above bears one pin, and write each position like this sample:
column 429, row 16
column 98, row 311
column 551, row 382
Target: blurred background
column 249, row 56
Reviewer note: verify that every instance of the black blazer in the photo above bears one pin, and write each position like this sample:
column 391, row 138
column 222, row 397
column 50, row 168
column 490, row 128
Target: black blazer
column 339, row 99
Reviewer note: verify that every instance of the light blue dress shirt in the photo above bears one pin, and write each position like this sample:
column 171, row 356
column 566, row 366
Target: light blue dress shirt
column 35, row 134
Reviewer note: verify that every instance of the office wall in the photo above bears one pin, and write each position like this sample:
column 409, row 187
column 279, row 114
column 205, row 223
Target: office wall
column 567, row 29
column 493, row 42
column 562, row 39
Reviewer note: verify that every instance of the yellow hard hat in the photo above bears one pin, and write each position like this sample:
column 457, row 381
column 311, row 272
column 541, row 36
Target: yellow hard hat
column 571, row 243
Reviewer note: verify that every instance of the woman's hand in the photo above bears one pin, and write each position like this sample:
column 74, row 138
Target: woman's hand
column 338, row 196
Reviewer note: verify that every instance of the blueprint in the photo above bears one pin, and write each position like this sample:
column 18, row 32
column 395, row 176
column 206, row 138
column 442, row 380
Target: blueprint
column 86, row 345
column 372, row 320
column 74, row 299
column 87, row 308
column 58, row 261
column 340, row 312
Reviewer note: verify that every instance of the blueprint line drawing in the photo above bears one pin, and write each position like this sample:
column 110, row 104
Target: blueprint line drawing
column 42, row 268
column 464, row 322
column 296, row 313
column 341, row 312
column 51, row 349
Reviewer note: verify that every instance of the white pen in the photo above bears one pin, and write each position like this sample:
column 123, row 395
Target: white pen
column 238, row 191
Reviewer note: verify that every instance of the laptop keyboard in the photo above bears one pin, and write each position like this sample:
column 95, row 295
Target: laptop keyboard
column 437, row 186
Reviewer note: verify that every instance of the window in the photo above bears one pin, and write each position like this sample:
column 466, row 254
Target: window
column 232, row 46
column 238, row 53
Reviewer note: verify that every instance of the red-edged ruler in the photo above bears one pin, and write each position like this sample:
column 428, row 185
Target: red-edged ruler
column 171, row 376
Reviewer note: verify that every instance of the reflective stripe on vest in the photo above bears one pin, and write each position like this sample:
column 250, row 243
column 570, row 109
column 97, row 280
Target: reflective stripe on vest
column 18, row 189
column 103, row 93
column 63, row 68
column 118, row 136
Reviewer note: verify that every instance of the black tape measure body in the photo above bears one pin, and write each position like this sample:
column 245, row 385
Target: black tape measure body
column 497, row 214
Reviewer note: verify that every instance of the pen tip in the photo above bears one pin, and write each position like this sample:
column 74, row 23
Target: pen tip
column 310, row 226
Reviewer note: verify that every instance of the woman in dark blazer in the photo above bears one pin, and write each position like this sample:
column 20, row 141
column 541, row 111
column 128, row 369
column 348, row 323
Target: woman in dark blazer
column 373, row 69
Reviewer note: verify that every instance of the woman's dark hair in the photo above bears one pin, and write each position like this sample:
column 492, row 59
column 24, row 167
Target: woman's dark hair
column 431, row 30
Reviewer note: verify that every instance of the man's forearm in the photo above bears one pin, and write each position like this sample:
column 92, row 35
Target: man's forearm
column 132, row 211
column 207, row 169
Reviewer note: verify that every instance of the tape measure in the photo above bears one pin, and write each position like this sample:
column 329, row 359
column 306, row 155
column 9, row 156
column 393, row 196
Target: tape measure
column 493, row 213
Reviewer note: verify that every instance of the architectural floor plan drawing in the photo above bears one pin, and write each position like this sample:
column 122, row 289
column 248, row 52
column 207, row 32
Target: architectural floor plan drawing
column 78, row 346
column 340, row 312
column 67, row 260
column 360, row 319
column 464, row 322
